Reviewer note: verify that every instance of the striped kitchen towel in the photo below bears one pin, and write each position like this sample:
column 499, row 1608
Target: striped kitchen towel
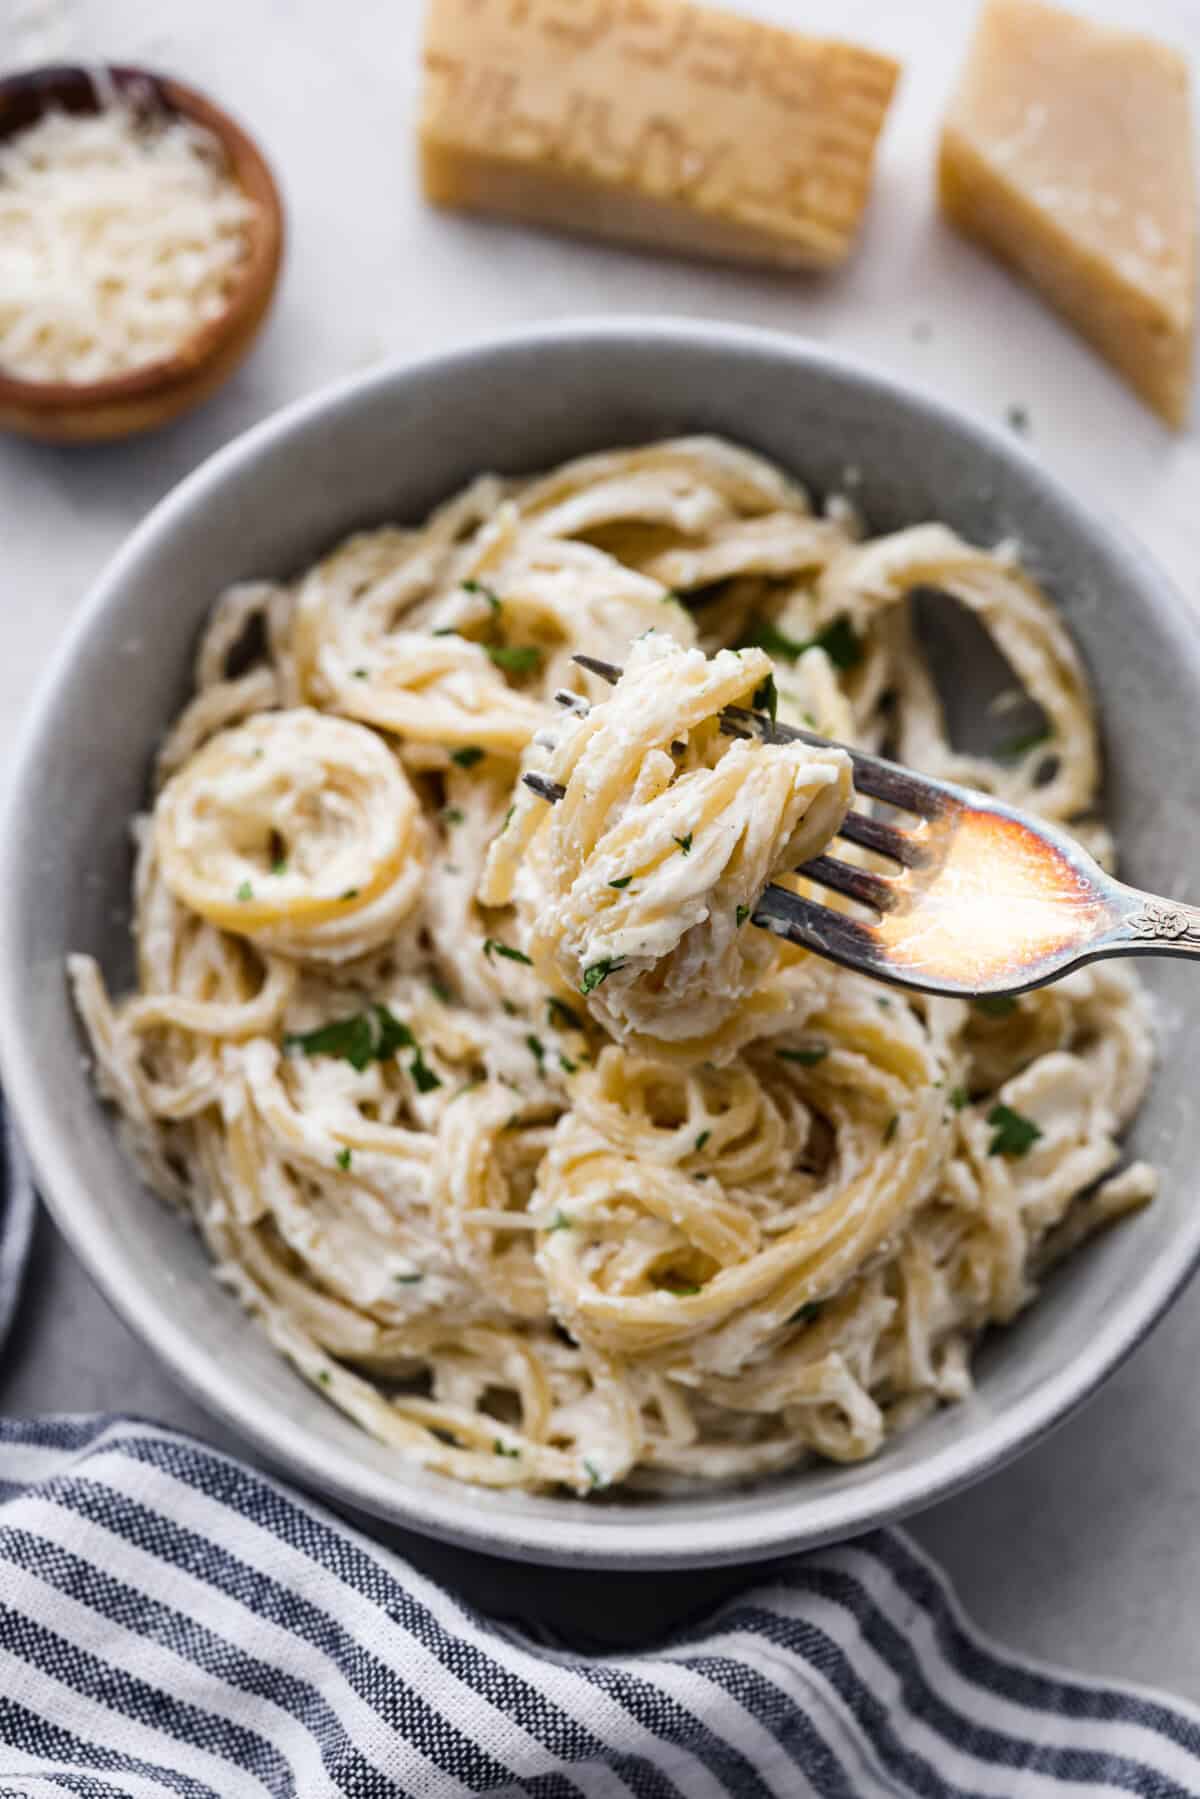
column 172, row 1623
column 18, row 1205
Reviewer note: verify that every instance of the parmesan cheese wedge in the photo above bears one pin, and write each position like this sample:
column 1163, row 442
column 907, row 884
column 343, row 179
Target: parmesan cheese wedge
column 1067, row 151
column 654, row 121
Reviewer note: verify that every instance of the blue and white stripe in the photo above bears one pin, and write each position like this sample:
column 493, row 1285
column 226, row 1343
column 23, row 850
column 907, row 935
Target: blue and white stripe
column 172, row 1623
column 18, row 1211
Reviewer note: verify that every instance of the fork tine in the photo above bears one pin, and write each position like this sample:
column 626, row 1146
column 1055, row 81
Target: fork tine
column 895, row 786
column 607, row 671
column 877, row 891
column 758, row 723
column 873, row 775
column 815, row 927
column 856, row 883
column 544, row 787
column 885, row 840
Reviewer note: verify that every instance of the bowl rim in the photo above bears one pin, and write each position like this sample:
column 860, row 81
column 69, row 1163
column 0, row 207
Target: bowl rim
column 256, row 278
column 649, row 1537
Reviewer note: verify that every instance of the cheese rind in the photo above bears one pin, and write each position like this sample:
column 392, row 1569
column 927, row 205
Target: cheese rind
column 1067, row 151
column 654, row 121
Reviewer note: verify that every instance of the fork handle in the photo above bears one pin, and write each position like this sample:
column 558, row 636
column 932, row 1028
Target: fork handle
column 1151, row 926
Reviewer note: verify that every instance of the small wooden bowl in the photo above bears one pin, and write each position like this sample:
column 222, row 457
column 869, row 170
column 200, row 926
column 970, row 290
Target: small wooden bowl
column 90, row 412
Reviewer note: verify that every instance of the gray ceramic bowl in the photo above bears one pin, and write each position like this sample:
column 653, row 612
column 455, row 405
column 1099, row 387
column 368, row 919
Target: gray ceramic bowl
column 388, row 446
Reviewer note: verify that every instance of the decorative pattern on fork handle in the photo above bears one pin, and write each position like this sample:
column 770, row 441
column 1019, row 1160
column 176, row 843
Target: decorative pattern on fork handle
column 1159, row 922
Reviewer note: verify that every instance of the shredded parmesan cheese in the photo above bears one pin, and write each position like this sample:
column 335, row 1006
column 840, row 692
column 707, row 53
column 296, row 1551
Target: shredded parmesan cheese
column 119, row 238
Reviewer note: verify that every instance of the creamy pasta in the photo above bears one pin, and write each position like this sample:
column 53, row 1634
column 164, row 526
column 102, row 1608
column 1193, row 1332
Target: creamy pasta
column 523, row 1143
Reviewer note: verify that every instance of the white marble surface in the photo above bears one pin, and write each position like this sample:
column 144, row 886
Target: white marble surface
column 1085, row 1551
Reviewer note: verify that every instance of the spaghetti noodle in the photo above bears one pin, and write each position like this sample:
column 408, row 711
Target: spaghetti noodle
column 524, row 1145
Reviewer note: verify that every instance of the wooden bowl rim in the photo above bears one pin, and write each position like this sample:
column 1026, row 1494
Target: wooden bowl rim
column 257, row 276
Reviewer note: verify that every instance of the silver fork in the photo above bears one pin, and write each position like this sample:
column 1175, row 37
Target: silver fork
column 984, row 899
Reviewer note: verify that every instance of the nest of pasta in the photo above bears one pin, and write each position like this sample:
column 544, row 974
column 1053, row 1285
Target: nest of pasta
column 530, row 1151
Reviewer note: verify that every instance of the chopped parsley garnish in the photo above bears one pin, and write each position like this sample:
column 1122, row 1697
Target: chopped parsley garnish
column 493, row 945
column 468, row 756
column 440, row 991
column 959, row 1097
column 995, row 1005
column 343, row 1158
column 840, row 642
column 885, row 1005
column 537, row 1051
column 682, row 1292
column 245, row 891
column 360, row 674
column 1021, row 746
column 453, row 815
column 509, row 1009
column 566, row 1064
column 807, row 1058
column 485, row 593
column 685, row 844
column 407, row 1280
column 426, row 1080
column 279, row 867
column 1012, row 1133
column 364, row 1037
column 558, row 1012
column 508, row 817
column 595, row 1478
column 514, row 658
column 1018, row 418
column 702, row 1139
column 499, row 1448
column 560, row 1222
column 766, row 699
column 743, row 913
column 599, row 971
column 892, row 1126
column 622, row 883
column 350, row 893
column 323, row 1376
column 806, row 1313
column 371, row 1036
column 775, row 642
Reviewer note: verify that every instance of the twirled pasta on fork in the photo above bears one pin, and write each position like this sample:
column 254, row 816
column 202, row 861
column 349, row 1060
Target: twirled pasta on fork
column 525, row 1146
